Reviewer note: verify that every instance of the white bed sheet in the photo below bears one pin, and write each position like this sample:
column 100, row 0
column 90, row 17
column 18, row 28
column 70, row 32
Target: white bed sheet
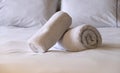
column 16, row 56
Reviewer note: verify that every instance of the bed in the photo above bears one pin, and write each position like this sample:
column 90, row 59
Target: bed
column 17, row 57
column 20, row 19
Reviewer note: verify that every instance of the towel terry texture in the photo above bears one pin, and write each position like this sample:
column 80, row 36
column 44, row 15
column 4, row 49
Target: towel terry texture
column 80, row 38
column 50, row 33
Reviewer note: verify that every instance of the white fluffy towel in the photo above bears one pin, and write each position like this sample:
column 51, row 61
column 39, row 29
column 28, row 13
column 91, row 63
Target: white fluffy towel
column 50, row 33
column 81, row 38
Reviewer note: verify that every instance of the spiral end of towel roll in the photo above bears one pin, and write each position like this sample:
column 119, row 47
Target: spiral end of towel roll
column 35, row 47
column 90, row 37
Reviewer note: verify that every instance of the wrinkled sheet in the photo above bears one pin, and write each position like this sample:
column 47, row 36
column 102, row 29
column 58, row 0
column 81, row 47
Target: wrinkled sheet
column 16, row 56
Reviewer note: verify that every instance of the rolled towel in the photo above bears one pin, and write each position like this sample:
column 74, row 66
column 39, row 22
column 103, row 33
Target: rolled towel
column 50, row 33
column 80, row 38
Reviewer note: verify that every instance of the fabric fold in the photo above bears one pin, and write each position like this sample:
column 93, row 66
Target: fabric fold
column 81, row 38
column 50, row 33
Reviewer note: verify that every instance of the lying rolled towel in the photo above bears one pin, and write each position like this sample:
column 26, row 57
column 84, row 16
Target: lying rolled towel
column 50, row 33
column 80, row 38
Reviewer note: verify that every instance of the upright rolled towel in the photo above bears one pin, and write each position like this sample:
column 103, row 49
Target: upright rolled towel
column 80, row 38
column 50, row 33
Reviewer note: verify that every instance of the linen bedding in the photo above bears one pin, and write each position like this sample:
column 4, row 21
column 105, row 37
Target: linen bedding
column 17, row 57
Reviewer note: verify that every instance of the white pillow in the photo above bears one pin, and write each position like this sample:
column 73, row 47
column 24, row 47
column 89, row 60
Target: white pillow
column 26, row 13
column 99, row 13
column 118, row 13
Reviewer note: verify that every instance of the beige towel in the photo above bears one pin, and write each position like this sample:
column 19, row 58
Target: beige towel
column 80, row 38
column 50, row 33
